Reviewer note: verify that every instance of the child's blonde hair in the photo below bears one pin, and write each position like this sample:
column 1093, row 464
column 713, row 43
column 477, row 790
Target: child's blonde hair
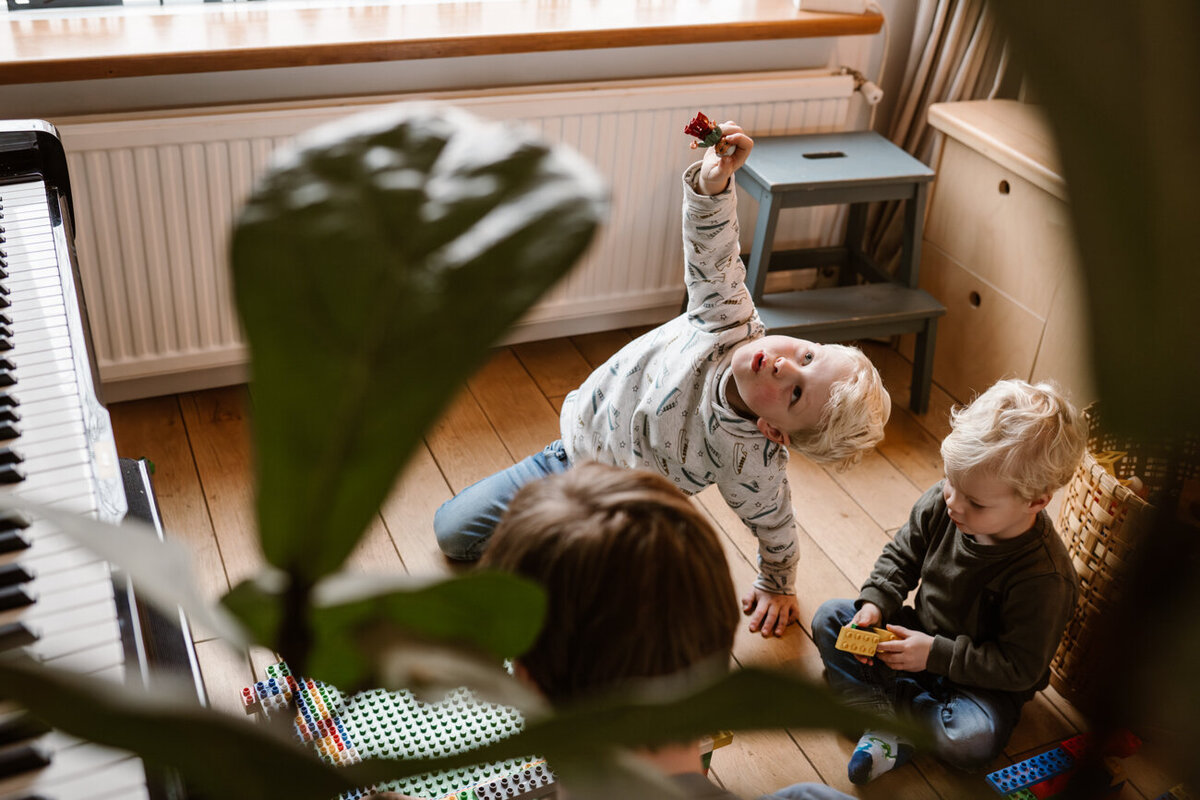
column 853, row 418
column 1028, row 436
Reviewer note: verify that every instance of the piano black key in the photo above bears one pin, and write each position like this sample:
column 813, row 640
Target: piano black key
column 20, row 727
column 16, row 634
column 9, row 431
column 9, row 399
column 7, row 378
column 7, row 364
column 9, row 414
column 9, row 455
column 14, row 573
column 11, row 474
column 5, row 319
column 13, row 541
column 16, row 597
column 23, row 758
column 11, row 520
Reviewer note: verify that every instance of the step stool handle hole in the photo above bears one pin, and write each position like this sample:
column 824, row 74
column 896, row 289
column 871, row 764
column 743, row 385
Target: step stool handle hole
column 974, row 299
column 826, row 154
column 1004, row 187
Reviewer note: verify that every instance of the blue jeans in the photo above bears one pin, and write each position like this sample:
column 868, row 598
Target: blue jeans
column 465, row 522
column 969, row 726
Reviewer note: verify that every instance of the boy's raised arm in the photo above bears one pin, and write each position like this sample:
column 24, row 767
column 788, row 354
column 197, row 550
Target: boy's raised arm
column 716, row 170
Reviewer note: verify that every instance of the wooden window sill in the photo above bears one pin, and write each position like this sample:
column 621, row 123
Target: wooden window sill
column 133, row 42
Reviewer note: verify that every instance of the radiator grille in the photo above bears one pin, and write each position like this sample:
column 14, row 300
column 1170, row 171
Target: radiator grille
column 155, row 196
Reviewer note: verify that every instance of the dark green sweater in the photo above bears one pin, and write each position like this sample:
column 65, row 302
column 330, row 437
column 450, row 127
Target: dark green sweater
column 996, row 611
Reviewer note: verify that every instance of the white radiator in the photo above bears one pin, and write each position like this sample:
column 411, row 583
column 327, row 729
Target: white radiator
column 155, row 196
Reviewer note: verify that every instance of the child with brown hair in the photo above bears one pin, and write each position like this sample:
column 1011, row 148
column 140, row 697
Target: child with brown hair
column 638, row 588
column 995, row 587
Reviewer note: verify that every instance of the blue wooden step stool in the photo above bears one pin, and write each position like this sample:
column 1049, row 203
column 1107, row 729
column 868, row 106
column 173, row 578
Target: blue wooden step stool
column 852, row 168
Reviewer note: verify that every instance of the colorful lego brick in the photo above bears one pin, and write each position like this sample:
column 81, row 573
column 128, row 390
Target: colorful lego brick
column 1031, row 771
column 862, row 641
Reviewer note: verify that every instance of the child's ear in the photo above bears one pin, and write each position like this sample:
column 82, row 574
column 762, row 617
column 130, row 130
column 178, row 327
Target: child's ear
column 1038, row 503
column 774, row 434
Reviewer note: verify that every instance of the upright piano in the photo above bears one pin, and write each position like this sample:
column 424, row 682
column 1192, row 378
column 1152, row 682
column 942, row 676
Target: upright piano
column 60, row 603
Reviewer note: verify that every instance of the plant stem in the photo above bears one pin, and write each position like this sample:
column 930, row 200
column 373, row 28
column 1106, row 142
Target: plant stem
column 295, row 638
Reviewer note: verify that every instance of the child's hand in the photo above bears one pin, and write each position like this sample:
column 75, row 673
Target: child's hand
column 909, row 653
column 770, row 612
column 716, row 171
column 868, row 616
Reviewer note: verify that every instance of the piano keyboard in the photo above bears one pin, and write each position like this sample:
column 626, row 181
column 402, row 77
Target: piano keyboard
column 57, row 601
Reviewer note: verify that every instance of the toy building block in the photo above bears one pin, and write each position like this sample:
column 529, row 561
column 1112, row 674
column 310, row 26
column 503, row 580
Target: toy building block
column 344, row 730
column 1058, row 767
column 1177, row 792
column 861, row 641
column 532, row 783
column 1031, row 771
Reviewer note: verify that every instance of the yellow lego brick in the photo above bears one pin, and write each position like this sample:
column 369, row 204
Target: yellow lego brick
column 862, row 641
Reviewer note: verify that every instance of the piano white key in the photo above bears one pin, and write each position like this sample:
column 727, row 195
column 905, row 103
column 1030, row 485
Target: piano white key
column 34, row 327
column 77, row 770
column 93, row 659
column 64, row 438
column 95, row 627
column 47, row 286
column 32, row 270
column 48, row 564
column 84, row 502
column 37, row 394
column 54, row 347
column 45, row 359
column 36, row 418
column 92, row 583
column 31, row 242
column 40, row 546
column 38, row 486
column 60, row 406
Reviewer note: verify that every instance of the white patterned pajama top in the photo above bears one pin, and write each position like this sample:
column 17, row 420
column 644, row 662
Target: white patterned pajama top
column 659, row 403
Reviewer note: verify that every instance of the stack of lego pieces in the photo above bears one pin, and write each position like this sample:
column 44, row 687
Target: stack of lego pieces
column 387, row 724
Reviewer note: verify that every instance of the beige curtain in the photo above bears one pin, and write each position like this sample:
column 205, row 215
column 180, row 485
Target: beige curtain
column 957, row 53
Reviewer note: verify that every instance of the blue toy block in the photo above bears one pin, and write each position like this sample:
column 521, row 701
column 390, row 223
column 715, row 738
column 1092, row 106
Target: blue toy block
column 1031, row 771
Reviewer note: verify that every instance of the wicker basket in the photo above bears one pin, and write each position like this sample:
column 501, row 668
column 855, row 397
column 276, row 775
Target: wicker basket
column 1101, row 521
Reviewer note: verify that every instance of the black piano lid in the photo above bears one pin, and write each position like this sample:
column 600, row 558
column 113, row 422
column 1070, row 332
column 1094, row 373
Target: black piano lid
column 33, row 147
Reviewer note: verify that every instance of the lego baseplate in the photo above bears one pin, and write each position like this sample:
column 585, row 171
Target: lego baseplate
column 862, row 641
column 387, row 724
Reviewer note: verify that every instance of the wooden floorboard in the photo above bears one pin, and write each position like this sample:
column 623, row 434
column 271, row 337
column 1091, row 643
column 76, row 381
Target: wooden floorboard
column 201, row 449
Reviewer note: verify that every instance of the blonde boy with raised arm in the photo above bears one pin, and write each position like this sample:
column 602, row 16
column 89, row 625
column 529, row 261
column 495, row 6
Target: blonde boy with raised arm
column 706, row 398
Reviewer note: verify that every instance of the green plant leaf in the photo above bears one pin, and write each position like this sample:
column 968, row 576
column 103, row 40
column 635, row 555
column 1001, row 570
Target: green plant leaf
column 220, row 754
column 356, row 620
column 159, row 570
column 373, row 266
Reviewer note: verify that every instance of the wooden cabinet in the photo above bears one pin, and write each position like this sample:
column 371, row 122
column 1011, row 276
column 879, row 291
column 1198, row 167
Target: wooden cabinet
column 999, row 254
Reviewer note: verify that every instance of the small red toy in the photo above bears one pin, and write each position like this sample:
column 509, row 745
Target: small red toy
column 709, row 135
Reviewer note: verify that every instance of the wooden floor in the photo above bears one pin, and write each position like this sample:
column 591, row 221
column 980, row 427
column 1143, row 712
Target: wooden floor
column 200, row 446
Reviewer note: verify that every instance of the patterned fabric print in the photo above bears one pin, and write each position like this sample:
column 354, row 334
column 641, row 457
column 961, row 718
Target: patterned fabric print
column 659, row 403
